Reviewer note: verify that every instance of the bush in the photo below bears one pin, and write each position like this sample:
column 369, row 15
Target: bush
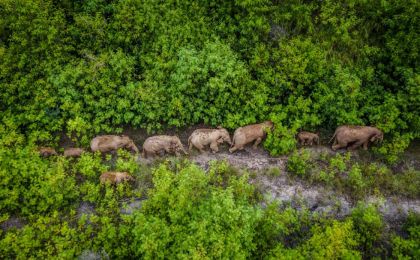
column 185, row 217
column 31, row 184
column 298, row 163
column 369, row 227
column 408, row 247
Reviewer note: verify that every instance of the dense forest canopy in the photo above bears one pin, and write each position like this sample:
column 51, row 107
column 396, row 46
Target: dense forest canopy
column 93, row 66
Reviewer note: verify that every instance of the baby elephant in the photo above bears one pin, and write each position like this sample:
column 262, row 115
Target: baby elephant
column 162, row 143
column 46, row 151
column 246, row 134
column 307, row 138
column 213, row 137
column 115, row 177
column 73, row 152
column 107, row 143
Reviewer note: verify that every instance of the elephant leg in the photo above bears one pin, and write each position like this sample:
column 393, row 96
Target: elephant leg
column 337, row 145
column 214, row 148
column 235, row 148
column 365, row 145
column 355, row 145
column 257, row 142
column 148, row 154
column 168, row 150
column 200, row 147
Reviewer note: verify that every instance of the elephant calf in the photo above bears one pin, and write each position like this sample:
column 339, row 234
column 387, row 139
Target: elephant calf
column 355, row 136
column 162, row 143
column 246, row 134
column 213, row 137
column 73, row 152
column 115, row 177
column 107, row 143
column 307, row 138
column 46, row 151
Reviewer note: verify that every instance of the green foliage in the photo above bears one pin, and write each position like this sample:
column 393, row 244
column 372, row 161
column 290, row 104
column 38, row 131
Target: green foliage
column 337, row 241
column 369, row 226
column 354, row 177
column 356, row 181
column 298, row 162
column 95, row 66
column 187, row 212
column 30, row 184
column 408, row 247
column 46, row 237
column 185, row 217
column 90, row 166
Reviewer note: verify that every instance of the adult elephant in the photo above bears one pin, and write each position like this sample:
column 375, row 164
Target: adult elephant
column 355, row 136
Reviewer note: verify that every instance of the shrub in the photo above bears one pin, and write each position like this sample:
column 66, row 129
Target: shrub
column 408, row 247
column 369, row 227
column 298, row 163
column 185, row 217
column 356, row 181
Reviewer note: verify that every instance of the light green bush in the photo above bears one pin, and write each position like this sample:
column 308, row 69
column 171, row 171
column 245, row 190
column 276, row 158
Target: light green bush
column 298, row 163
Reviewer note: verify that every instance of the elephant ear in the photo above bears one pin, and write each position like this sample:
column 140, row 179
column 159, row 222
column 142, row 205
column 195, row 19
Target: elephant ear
column 373, row 138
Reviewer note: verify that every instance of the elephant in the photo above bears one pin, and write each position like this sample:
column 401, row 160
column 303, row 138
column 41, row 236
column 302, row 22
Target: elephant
column 107, row 143
column 115, row 177
column 246, row 134
column 355, row 136
column 213, row 137
column 73, row 152
column 307, row 138
column 46, row 151
column 156, row 144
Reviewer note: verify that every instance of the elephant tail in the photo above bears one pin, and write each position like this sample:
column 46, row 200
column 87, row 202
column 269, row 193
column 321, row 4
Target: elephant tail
column 233, row 141
column 332, row 138
column 143, row 153
column 189, row 142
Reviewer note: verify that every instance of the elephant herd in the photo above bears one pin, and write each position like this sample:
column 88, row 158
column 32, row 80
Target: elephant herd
column 346, row 136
